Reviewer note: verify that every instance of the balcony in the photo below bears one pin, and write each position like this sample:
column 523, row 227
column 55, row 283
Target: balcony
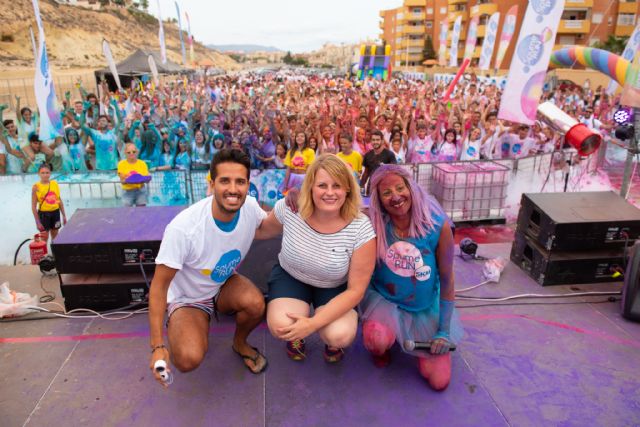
column 482, row 30
column 484, row 9
column 627, row 7
column 416, row 30
column 454, row 15
column 458, row 1
column 572, row 26
column 623, row 30
column 417, row 3
column 414, row 43
column 381, row 25
column 477, row 51
column 415, row 57
column 569, row 4
column 414, row 17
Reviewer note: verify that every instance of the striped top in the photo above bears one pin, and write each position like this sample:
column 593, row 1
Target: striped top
column 319, row 259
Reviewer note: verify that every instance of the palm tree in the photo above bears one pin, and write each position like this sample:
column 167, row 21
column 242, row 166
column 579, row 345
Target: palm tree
column 613, row 44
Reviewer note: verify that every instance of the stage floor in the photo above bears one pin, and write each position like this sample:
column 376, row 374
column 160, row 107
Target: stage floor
column 569, row 364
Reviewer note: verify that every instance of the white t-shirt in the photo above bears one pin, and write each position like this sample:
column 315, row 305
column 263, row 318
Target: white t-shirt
column 471, row 149
column 205, row 255
column 317, row 259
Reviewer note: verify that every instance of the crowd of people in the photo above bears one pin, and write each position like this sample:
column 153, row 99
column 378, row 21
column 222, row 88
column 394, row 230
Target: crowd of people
column 284, row 120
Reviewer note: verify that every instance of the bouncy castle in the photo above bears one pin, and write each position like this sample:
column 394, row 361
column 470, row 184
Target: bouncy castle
column 374, row 61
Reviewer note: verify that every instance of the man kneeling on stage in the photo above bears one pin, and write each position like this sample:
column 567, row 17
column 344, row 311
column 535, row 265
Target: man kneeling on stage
column 195, row 271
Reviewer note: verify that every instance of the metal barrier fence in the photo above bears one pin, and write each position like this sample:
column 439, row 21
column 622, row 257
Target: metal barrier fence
column 477, row 196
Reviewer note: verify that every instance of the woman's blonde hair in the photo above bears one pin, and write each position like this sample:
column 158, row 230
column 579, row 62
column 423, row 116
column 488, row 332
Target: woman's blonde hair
column 339, row 171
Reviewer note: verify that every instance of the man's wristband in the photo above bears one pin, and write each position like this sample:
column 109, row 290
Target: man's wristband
column 153, row 349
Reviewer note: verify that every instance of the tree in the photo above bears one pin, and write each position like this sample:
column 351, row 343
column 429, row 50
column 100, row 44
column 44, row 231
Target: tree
column 287, row 59
column 144, row 5
column 428, row 51
column 613, row 44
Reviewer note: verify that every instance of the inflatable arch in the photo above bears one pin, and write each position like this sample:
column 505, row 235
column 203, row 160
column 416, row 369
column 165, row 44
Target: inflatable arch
column 606, row 62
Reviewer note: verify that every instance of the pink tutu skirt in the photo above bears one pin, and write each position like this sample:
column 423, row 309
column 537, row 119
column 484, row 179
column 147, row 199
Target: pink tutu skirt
column 407, row 325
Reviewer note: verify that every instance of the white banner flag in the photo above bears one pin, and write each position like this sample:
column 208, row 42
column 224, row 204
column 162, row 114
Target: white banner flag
column 455, row 38
column 489, row 41
column 472, row 37
column 106, row 50
column 33, row 45
column 154, row 70
column 163, row 48
column 50, row 121
column 530, row 61
column 629, row 53
column 442, row 51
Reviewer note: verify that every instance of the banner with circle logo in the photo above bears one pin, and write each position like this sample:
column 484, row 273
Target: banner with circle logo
column 629, row 53
column 508, row 29
column 472, row 37
column 455, row 38
column 442, row 53
column 530, row 61
column 489, row 41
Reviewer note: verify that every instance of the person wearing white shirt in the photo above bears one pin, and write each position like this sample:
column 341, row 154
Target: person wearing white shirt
column 195, row 274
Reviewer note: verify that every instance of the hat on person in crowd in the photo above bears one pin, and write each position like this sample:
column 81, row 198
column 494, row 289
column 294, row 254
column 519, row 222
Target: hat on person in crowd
column 218, row 136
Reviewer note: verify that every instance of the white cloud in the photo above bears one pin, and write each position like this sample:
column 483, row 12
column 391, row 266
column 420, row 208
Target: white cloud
column 296, row 25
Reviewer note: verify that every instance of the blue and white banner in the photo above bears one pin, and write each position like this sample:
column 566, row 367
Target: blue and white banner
column 50, row 121
column 184, row 52
column 455, row 38
column 163, row 47
column 499, row 81
column 629, row 53
column 489, row 42
column 530, row 61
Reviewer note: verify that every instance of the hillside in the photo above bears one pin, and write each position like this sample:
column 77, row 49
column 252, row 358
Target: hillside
column 74, row 36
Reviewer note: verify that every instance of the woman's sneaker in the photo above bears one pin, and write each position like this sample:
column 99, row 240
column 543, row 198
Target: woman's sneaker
column 296, row 350
column 333, row 356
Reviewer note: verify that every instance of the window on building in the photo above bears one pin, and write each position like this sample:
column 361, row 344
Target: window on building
column 443, row 11
column 429, row 24
column 626, row 19
column 610, row 21
column 416, row 10
column 429, row 11
column 596, row 18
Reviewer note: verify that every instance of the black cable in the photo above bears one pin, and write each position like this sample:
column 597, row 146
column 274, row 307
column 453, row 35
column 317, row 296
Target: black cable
column 144, row 274
column 493, row 304
column 15, row 257
column 48, row 296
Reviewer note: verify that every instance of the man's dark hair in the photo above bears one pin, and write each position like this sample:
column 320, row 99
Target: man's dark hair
column 7, row 122
column 229, row 156
column 377, row 133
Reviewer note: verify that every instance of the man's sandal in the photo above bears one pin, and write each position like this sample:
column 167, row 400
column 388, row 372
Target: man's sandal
column 260, row 362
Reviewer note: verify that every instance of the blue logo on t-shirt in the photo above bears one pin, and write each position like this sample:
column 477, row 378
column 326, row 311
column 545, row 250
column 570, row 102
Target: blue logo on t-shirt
column 505, row 148
column 253, row 191
column 471, row 151
column 516, row 148
column 226, row 266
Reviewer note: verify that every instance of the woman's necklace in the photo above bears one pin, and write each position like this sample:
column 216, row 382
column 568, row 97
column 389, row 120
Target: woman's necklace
column 401, row 233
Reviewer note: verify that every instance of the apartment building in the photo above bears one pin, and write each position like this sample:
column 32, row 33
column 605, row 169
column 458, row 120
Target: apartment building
column 583, row 22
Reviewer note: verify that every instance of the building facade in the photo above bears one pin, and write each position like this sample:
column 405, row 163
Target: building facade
column 408, row 27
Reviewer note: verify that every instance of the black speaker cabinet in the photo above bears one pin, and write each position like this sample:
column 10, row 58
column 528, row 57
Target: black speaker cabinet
column 578, row 221
column 565, row 267
column 631, row 290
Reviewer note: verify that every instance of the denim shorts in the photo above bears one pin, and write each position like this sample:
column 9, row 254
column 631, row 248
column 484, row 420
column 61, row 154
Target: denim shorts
column 283, row 285
column 135, row 197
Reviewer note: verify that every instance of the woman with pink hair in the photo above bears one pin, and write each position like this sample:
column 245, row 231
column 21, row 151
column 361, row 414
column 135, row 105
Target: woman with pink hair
column 411, row 294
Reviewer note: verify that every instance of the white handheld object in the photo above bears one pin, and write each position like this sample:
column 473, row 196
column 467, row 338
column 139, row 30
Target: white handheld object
column 161, row 368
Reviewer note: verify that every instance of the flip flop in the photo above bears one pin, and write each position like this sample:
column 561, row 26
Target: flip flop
column 254, row 359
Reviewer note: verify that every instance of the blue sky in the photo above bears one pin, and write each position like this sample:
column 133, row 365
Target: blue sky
column 296, row 25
